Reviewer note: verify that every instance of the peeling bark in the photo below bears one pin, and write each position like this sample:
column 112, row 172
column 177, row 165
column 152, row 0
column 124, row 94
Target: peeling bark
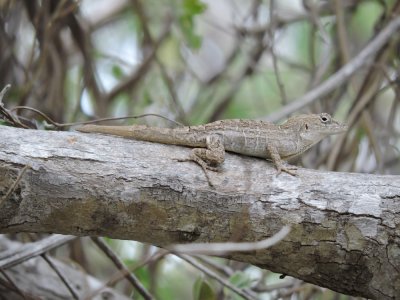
column 345, row 227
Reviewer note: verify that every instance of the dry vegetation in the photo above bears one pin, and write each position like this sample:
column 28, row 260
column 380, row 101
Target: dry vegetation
column 194, row 62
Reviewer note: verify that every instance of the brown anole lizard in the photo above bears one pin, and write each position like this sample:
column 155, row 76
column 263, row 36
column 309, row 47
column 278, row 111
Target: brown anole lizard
column 248, row 137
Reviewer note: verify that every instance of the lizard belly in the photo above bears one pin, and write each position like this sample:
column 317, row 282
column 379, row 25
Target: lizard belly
column 257, row 146
column 249, row 146
column 251, row 152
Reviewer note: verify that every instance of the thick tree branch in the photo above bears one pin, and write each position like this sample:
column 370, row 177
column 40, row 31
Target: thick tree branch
column 345, row 227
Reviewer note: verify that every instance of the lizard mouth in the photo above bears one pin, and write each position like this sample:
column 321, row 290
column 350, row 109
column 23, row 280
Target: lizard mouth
column 337, row 128
column 342, row 128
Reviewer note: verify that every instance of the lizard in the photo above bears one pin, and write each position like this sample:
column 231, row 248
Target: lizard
column 248, row 137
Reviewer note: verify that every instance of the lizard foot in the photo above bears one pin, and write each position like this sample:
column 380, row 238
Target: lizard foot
column 201, row 163
column 287, row 169
column 203, row 166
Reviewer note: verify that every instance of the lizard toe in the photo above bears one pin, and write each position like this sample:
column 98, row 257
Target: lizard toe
column 289, row 171
column 182, row 159
column 286, row 169
column 215, row 169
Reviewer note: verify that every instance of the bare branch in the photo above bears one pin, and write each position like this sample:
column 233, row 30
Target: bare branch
column 120, row 265
column 341, row 76
column 12, row 258
column 225, row 248
column 344, row 225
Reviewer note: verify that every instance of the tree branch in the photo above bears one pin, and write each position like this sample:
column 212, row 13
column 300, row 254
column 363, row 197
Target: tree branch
column 345, row 227
column 34, row 281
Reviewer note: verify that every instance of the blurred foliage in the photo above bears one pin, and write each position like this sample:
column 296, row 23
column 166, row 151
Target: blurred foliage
column 203, row 291
column 191, row 8
column 198, row 61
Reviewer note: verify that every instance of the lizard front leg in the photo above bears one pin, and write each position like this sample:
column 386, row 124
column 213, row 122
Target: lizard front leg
column 210, row 157
column 278, row 162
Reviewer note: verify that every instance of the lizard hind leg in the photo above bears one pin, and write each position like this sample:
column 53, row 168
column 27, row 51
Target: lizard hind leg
column 209, row 158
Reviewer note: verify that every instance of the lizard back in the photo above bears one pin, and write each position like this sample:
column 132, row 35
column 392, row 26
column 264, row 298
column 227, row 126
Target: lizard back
column 251, row 137
column 248, row 137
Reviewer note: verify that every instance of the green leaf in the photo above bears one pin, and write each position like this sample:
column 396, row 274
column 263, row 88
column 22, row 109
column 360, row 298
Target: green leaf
column 203, row 291
column 193, row 40
column 147, row 98
column 193, row 7
column 144, row 276
column 117, row 72
column 241, row 280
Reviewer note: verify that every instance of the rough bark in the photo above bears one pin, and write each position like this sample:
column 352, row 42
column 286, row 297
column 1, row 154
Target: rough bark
column 345, row 227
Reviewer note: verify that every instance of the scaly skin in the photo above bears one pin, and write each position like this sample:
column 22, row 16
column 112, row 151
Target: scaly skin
column 248, row 137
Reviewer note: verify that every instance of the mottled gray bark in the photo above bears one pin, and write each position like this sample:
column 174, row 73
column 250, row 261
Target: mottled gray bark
column 345, row 227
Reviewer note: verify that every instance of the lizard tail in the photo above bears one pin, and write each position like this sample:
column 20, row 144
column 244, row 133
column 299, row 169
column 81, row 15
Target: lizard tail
column 175, row 136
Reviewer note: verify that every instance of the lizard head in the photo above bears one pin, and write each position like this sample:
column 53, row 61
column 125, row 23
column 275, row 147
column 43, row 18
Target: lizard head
column 314, row 127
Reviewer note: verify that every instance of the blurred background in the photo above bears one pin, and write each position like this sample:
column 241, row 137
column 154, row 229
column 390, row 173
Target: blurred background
column 197, row 61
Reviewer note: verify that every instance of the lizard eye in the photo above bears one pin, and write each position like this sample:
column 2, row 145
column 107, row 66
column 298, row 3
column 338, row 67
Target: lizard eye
column 324, row 119
column 306, row 125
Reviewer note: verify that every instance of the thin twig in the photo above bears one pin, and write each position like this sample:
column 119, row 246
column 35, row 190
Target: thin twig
column 369, row 87
column 212, row 274
column 3, row 111
column 59, row 125
column 248, row 69
column 313, row 11
column 271, row 31
column 12, row 188
column 16, row 288
column 284, row 19
column 61, row 276
column 224, row 248
column 342, row 75
column 3, row 93
column 219, row 267
column 123, row 273
column 366, row 97
column 135, row 77
column 341, row 31
column 164, row 74
column 12, row 258
column 121, row 266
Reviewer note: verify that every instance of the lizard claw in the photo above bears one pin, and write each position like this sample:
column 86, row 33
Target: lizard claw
column 214, row 169
column 181, row 159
